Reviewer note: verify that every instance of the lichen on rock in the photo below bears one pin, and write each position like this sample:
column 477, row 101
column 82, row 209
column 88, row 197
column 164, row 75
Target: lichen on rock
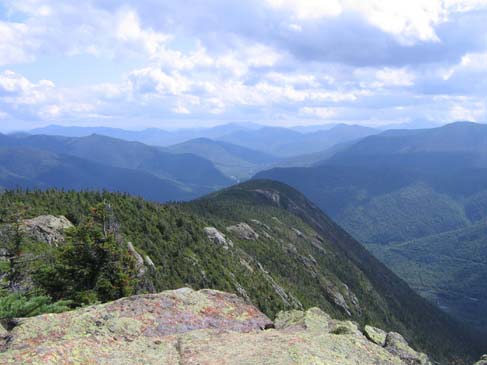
column 397, row 345
column 194, row 327
column 376, row 335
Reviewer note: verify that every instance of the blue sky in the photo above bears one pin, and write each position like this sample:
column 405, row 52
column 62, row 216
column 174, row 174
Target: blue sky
column 168, row 64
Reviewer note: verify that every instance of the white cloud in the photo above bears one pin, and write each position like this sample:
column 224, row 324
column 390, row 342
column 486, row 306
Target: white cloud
column 463, row 113
column 309, row 9
column 377, row 60
column 410, row 21
column 16, row 46
column 20, row 90
column 394, row 77
column 128, row 29
column 153, row 81
column 323, row 113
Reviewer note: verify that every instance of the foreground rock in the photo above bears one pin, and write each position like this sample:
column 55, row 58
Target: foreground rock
column 192, row 327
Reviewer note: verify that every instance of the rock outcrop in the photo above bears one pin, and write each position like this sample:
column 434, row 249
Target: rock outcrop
column 194, row 327
column 243, row 231
column 217, row 237
column 376, row 335
column 47, row 228
column 482, row 361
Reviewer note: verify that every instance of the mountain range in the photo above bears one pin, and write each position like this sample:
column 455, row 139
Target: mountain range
column 103, row 162
column 390, row 190
column 400, row 189
column 235, row 161
column 283, row 142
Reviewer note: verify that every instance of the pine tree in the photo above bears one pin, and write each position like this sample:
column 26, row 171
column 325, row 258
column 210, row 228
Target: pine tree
column 16, row 305
column 12, row 240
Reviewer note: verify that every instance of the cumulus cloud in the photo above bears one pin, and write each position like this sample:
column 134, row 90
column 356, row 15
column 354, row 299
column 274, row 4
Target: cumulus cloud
column 273, row 61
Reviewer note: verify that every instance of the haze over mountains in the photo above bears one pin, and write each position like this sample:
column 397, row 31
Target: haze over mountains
column 237, row 150
column 109, row 163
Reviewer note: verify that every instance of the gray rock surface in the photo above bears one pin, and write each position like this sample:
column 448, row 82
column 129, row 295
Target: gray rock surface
column 217, row 237
column 47, row 228
column 243, row 231
column 398, row 346
column 376, row 335
column 186, row 327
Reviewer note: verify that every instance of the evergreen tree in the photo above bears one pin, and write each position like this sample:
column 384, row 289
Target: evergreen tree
column 16, row 305
column 93, row 265
column 12, row 241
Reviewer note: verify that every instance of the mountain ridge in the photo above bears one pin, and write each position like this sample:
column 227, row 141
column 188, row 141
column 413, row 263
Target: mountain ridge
column 268, row 243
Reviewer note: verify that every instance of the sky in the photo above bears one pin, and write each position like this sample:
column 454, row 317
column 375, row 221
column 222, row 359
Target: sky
column 192, row 63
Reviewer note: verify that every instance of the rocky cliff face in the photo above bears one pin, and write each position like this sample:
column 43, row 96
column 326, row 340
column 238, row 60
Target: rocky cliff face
column 197, row 327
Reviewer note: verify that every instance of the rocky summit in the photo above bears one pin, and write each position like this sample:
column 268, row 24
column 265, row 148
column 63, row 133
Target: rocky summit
column 196, row 327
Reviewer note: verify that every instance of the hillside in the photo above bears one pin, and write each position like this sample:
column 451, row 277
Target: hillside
column 192, row 173
column 150, row 136
column 464, row 142
column 409, row 185
column 321, row 140
column 37, row 169
column 266, row 242
column 234, row 161
column 285, row 142
column 449, row 268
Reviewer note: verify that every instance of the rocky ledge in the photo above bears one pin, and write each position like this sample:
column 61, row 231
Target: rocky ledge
column 197, row 327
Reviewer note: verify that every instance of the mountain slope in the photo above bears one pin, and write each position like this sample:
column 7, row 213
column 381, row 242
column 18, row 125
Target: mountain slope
column 364, row 185
column 192, row 172
column 285, row 142
column 410, row 185
column 268, row 243
column 464, row 142
column 266, row 139
column 37, row 169
column 324, row 139
column 151, row 136
column 234, row 161
column 449, row 268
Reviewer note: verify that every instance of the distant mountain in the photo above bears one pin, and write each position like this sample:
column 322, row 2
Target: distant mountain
column 37, row 169
column 362, row 185
column 285, row 142
column 465, row 143
column 313, row 127
column 281, row 142
column 196, row 173
column 267, row 139
column 186, row 175
column 414, row 124
column 151, row 136
column 324, row 139
column 402, row 186
column 234, row 161
column 313, row 159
